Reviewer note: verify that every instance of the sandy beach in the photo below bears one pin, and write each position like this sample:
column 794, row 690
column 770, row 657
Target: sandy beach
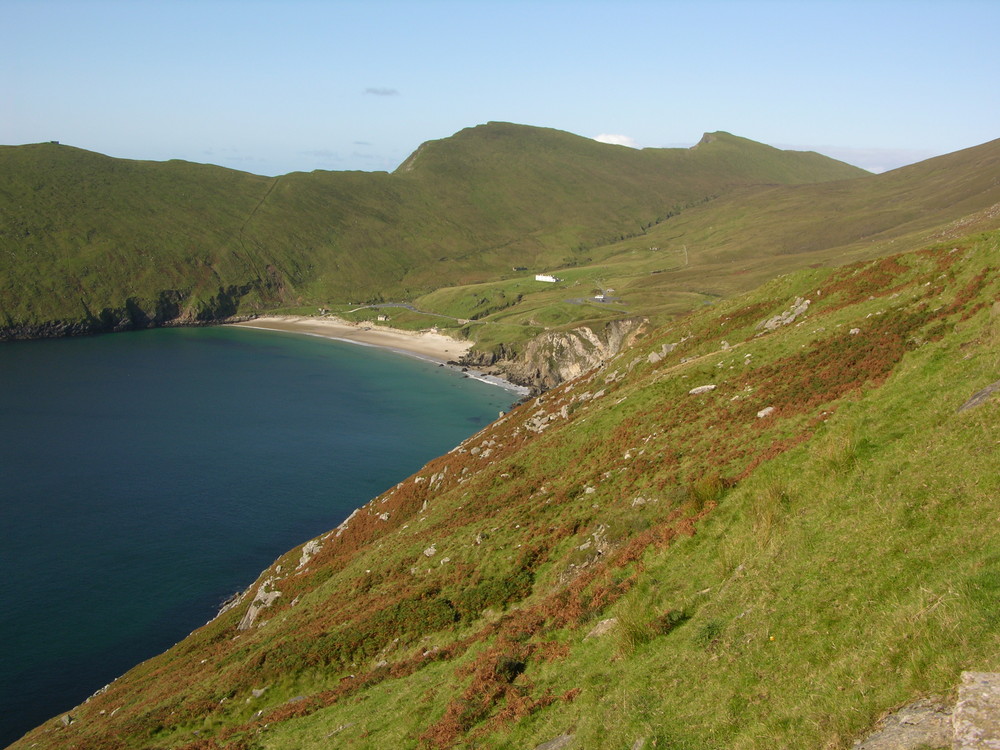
column 436, row 347
column 426, row 344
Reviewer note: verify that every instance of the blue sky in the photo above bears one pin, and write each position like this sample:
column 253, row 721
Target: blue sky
column 272, row 87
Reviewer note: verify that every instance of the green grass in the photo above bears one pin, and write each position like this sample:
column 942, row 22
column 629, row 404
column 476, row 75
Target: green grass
column 101, row 243
column 738, row 242
column 90, row 243
column 777, row 582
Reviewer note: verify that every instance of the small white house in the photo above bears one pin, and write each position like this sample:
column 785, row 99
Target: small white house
column 545, row 277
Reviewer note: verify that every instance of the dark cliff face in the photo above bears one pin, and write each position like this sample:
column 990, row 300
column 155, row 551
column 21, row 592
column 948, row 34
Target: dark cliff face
column 108, row 322
column 170, row 308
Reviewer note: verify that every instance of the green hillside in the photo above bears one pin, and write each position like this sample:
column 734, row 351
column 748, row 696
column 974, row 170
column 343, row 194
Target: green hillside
column 743, row 239
column 81, row 232
column 765, row 525
column 90, row 243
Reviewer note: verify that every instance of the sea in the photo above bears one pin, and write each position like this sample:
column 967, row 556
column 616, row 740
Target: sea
column 145, row 477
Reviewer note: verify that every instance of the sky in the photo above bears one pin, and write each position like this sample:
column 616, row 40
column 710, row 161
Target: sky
column 275, row 86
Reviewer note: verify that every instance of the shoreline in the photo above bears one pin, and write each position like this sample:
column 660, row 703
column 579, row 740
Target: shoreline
column 427, row 345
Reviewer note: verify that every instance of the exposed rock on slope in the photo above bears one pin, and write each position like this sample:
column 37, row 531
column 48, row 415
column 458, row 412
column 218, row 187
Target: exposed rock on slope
column 557, row 356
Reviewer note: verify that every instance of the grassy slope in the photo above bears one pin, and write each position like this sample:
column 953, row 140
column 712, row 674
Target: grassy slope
column 741, row 240
column 777, row 581
column 82, row 233
column 744, row 236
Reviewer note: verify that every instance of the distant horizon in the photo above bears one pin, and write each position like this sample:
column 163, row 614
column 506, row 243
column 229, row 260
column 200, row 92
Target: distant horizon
column 271, row 87
column 874, row 160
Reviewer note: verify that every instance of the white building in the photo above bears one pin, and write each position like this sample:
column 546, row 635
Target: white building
column 545, row 277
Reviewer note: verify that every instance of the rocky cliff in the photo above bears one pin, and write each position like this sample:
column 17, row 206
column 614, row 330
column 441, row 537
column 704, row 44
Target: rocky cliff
column 557, row 356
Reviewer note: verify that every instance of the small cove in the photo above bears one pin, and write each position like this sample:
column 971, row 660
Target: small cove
column 149, row 475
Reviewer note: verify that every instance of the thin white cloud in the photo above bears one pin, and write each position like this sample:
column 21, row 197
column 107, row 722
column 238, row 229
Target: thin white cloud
column 378, row 91
column 616, row 140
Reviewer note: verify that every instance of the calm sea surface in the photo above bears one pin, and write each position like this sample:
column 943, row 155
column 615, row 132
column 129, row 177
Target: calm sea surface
column 144, row 477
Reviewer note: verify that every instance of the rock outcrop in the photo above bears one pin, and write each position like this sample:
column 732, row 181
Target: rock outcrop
column 557, row 356
column 972, row 722
column 976, row 721
column 170, row 308
column 798, row 308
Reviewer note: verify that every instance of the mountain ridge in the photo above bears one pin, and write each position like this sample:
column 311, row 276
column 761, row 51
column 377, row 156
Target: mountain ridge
column 220, row 242
column 763, row 519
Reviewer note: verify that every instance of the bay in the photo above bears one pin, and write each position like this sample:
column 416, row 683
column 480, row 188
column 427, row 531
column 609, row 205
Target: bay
column 145, row 477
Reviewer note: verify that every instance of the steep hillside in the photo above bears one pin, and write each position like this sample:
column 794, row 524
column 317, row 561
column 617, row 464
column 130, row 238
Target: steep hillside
column 81, row 234
column 724, row 247
column 553, row 206
column 90, row 243
column 743, row 238
column 760, row 526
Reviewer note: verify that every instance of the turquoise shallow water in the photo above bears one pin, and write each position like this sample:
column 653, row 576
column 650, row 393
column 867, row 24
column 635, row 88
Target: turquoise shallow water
column 144, row 477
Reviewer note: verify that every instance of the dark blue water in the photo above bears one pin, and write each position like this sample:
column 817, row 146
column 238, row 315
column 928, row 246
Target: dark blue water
column 146, row 476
